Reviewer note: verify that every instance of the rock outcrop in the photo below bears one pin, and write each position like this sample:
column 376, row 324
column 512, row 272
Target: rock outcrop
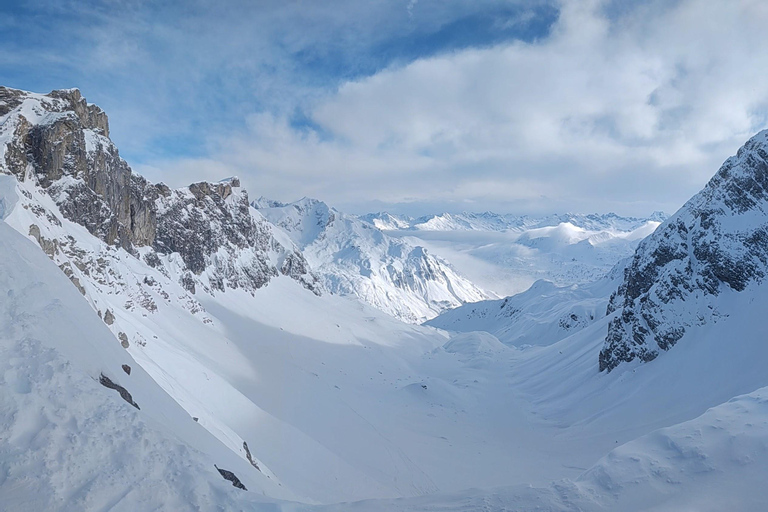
column 718, row 240
column 62, row 142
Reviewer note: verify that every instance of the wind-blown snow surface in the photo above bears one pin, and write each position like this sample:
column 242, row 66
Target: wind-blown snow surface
column 506, row 254
column 356, row 258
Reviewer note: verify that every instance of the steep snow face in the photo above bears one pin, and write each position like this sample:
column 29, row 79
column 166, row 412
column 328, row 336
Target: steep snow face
column 70, row 443
column 61, row 144
column 354, row 257
column 146, row 309
column 506, row 254
column 717, row 241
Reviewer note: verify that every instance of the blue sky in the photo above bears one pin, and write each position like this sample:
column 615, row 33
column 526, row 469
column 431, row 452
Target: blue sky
column 412, row 106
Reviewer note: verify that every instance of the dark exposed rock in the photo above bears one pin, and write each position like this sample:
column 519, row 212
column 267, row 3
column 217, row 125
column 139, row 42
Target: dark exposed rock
column 127, row 369
column 49, row 247
column 109, row 317
column 249, row 456
column 66, row 146
column 228, row 475
column 718, row 240
column 9, row 99
column 123, row 339
column 124, row 394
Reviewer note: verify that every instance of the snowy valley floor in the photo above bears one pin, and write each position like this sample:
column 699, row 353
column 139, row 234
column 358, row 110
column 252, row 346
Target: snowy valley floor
column 340, row 403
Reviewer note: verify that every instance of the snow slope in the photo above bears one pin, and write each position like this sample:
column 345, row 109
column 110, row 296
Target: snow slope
column 68, row 442
column 712, row 463
column 353, row 257
column 541, row 315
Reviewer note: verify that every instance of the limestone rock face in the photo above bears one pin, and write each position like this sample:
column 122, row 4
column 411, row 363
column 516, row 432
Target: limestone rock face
column 62, row 143
column 718, row 240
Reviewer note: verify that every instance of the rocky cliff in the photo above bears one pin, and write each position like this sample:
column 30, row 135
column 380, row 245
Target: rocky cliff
column 717, row 242
column 62, row 143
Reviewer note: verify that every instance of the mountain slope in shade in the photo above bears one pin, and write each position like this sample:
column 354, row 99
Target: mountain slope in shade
column 69, row 442
column 711, row 463
column 717, row 241
column 354, row 257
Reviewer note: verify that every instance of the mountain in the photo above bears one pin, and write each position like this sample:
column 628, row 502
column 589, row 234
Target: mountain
column 85, row 427
column 490, row 221
column 240, row 369
column 61, row 144
column 541, row 315
column 506, row 254
column 714, row 246
column 141, row 255
column 355, row 257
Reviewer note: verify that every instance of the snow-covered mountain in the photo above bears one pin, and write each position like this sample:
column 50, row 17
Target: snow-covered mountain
column 205, row 235
column 716, row 244
column 355, row 257
column 239, row 362
column 541, row 315
column 490, row 221
column 506, row 254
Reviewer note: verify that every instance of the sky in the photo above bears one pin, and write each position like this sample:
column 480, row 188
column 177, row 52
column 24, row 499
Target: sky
column 413, row 106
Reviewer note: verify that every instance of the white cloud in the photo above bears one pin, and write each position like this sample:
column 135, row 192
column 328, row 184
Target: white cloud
column 630, row 114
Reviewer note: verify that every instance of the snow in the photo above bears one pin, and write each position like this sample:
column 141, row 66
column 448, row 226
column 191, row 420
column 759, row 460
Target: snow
column 355, row 258
column 70, row 443
column 343, row 406
column 505, row 254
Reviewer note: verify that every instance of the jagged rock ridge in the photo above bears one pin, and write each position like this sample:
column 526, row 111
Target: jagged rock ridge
column 62, row 142
column 717, row 241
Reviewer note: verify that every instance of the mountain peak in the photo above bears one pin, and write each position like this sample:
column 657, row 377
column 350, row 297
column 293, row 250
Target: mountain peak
column 718, row 240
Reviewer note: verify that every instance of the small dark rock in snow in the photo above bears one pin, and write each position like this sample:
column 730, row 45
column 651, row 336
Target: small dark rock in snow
column 123, row 339
column 124, row 394
column 228, row 475
column 249, row 457
column 127, row 369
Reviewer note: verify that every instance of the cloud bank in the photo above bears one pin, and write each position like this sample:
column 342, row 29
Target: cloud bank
column 581, row 105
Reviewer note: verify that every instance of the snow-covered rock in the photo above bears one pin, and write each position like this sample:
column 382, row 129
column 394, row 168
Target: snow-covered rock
column 61, row 144
column 717, row 241
column 354, row 257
